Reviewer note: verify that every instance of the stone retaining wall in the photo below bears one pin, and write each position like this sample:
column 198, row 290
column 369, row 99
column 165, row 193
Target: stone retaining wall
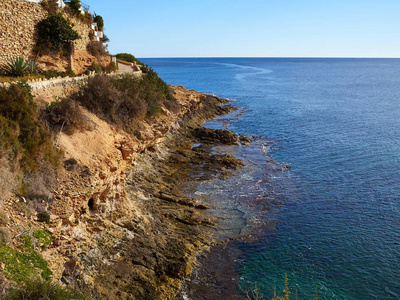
column 63, row 87
column 18, row 19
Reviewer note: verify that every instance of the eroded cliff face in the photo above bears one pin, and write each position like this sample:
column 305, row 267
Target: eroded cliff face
column 122, row 228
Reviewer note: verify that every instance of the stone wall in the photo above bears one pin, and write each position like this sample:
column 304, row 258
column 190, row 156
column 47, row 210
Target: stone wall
column 83, row 29
column 18, row 19
column 63, row 87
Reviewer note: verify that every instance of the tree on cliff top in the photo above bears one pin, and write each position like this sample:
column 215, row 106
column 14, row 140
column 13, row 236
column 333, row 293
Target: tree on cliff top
column 99, row 20
column 55, row 32
column 75, row 6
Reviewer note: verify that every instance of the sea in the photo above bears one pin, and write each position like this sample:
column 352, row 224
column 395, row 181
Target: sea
column 318, row 200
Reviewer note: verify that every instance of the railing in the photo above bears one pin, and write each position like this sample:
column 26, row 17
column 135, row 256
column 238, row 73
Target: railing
column 84, row 7
column 99, row 34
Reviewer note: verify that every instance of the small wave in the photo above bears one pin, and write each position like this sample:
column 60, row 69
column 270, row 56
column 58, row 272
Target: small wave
column 258, row 72
column 221, row 96
column 251, row 70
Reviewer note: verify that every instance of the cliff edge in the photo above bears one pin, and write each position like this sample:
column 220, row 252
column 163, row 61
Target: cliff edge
column 121, row 226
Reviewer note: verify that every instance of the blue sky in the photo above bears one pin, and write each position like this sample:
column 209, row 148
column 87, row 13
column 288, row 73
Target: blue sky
column 252, row 28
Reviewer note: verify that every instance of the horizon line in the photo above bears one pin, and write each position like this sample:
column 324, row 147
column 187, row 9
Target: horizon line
column 325, row 57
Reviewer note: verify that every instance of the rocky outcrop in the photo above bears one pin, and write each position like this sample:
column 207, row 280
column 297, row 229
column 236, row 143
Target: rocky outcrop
column 123, row 228
column 214, row 136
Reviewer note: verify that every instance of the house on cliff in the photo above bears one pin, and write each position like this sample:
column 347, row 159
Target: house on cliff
column 84, row 8
column 59, row 2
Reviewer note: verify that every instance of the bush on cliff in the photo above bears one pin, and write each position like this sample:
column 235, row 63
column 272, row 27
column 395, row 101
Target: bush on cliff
column 127, row 57
column 41, row 289
column 130, row 58
column 125, row 101
column 23, row 137
column 99, row 20
column 97, row 49
column 55, row 32
column 66, row 114
column 103, row 97
column 75, row 6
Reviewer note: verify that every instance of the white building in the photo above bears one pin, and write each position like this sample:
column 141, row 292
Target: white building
column 59, row 2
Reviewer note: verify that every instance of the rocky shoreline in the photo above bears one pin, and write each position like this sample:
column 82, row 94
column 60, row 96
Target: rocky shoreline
column 145, row 246
column 121, row 222
column 178, row 230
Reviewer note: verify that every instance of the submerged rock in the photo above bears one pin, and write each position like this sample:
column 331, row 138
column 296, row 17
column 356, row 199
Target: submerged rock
column 216, row 136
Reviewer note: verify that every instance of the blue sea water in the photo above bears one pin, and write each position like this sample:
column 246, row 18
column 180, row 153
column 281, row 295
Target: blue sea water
column 334, row 217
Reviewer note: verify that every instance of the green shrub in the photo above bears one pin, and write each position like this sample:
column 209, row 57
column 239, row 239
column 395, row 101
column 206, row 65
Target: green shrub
column 55, row 32
column 99, row 20
column 116, row 101
column 110, row 68
column 97, row 49
column 100, row 96
column 32, row 67
column 67, row 73
column 144, row 68
column 23, row 132
column 104, row 39
column 40, row 289
column 9, row 143
column 75, row 6
column 43, row 217
column 24, row 262
column 96, row 67
column 126, row 100
column 127, row 57
column 153, row 111
column 152, row 80
column 50, row 74
column 68, row 113
column 19, row 67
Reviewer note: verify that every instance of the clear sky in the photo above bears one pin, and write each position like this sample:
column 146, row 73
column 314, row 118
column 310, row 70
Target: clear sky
column 247, row 28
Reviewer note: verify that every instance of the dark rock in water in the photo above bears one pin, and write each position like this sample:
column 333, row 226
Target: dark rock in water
column 244, row 140
column 227, row 161
column 221, row 136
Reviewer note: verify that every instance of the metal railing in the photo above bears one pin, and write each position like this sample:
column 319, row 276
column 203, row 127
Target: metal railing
column 84, row 7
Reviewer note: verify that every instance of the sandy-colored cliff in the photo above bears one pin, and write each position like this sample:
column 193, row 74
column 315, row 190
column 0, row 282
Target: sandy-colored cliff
column 122, row 228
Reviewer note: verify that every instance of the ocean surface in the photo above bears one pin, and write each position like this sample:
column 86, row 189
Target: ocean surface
column 319, row 197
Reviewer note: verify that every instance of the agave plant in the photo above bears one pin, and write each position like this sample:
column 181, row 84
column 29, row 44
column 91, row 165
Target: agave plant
column 19, row 67
column 32, row 67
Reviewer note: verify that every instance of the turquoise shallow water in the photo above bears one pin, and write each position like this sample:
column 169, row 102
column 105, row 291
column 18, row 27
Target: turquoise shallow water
column 334, row 217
